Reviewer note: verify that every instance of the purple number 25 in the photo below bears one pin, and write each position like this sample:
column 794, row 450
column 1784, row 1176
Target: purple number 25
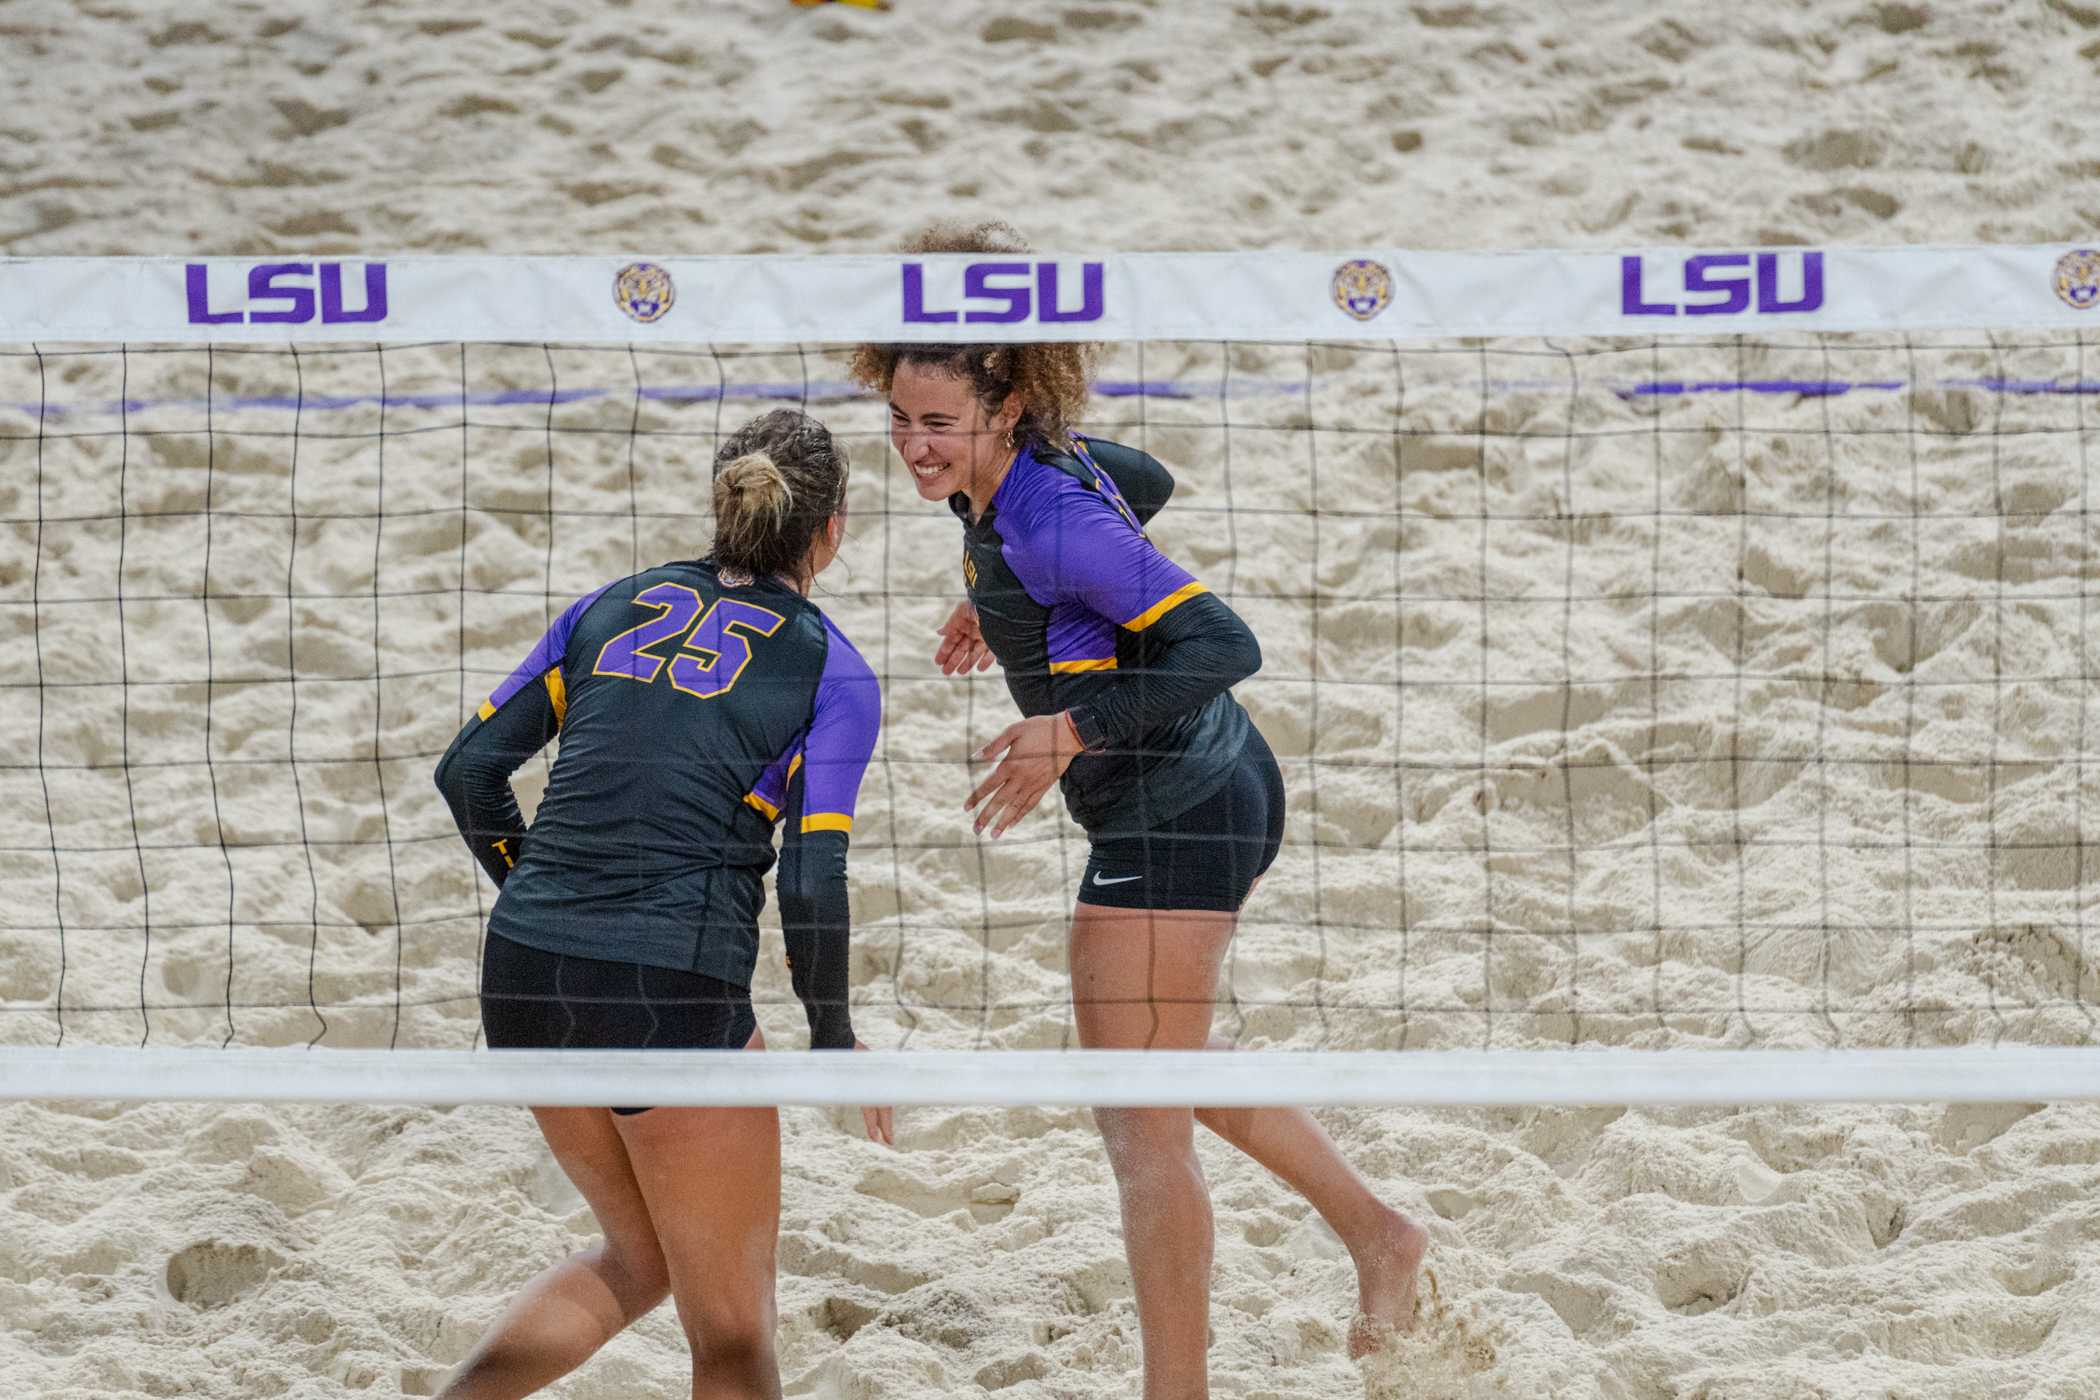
column 710, row 656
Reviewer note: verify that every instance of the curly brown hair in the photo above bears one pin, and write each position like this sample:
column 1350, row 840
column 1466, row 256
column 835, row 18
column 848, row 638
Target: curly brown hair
column 1053, row 380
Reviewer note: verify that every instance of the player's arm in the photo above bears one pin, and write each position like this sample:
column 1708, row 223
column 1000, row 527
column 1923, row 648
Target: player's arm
column 474, row 774
column 1144, row 486
column 815, row 914
column 520, row 717
column 1198, row 649
column 1202, row 650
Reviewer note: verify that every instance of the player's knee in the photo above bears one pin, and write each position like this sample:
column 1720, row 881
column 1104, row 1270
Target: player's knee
column 636, row 1273
column 741, row 1357
column 727, row 1315
column 1142, row 1140
column 1227, row 1123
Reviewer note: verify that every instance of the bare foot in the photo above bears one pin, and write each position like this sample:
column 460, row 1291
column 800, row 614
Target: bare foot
column 1385, row 1285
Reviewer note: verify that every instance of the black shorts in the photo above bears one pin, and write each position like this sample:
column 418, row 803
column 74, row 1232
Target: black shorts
column 1208, row 857
column 535, row 1000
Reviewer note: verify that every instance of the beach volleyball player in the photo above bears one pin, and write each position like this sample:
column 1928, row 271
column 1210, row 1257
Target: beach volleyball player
column 1122, row 665
column 699, row 705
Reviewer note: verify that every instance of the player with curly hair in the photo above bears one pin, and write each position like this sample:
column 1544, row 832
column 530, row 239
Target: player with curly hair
column 1122, row 665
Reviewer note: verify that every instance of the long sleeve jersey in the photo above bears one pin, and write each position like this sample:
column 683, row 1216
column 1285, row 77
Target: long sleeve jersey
column 694, row 719
column 1084, row 614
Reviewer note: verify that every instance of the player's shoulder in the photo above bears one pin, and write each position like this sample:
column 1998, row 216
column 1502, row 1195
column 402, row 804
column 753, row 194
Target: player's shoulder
column 705, row 583
column 1040, row 476
column 609, row 599
column 1109, row 458
column 1099, row 451
column 706, row 576
column 691, row 572
column 1048, row 487
column 624, row 588
column 1095, row 462
column 843, row 660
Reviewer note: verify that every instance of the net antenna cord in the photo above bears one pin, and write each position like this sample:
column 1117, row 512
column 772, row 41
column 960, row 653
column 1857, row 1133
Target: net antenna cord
column 1090, row 1078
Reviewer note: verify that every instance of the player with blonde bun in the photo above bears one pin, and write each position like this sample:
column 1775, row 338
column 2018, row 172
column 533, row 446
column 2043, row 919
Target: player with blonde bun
column 700, row 705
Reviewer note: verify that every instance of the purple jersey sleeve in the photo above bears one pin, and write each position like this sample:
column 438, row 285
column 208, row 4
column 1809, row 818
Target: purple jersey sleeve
column 769, row 794
column 841, row 736
column 544, row 661
column 1068, row 544
column 833, row 753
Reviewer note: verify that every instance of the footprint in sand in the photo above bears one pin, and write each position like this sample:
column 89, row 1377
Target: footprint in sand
column 213, row 1273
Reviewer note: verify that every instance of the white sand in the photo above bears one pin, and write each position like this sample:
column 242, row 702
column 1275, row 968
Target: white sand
column 170, row 1250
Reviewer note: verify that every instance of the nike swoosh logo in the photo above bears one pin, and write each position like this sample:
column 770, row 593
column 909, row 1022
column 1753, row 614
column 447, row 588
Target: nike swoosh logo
column 1119, row 880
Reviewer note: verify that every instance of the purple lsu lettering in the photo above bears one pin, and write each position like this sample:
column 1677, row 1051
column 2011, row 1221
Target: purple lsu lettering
column 1726, row 279
column 285, row 292
column 1007, row 292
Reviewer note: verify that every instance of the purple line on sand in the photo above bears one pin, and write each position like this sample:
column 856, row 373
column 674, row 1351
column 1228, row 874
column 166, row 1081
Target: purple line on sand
column 828, row 391
column 1806, row 388
column 2028, row 386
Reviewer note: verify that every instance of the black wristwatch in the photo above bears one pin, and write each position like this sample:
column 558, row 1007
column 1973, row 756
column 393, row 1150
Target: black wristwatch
column 1087, row 725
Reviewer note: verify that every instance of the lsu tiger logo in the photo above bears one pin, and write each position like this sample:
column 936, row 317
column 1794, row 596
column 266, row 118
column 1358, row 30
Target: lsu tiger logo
column 1363, row 288
column 644, row 291
column 2078, row 278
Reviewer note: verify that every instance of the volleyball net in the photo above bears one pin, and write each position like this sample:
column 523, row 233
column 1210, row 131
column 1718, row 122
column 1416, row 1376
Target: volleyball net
column 1680, row 664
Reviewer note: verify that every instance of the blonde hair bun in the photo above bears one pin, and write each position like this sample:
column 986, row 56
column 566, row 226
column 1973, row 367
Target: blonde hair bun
column 777, row 480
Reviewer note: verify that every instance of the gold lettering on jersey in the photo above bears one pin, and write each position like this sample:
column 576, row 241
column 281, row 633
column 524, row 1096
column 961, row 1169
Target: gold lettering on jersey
column 710, row 655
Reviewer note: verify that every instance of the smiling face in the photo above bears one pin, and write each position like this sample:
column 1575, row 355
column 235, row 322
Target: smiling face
column 945, row 438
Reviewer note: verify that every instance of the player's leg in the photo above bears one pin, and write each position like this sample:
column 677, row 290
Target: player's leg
column 581, row 1303
column 711, row 1177
column 1165, row 1204
column 1211, row 858
column 1386, row 1246
column 667, row 1185
column 1145, row 979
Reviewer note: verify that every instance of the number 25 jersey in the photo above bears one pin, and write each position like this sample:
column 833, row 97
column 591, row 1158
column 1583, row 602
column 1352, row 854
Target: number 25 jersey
column 691, row 716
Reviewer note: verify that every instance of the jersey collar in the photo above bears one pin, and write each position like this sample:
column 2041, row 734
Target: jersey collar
column 960, row 501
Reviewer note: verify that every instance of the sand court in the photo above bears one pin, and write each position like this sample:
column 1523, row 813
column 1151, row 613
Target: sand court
column 1705, row 720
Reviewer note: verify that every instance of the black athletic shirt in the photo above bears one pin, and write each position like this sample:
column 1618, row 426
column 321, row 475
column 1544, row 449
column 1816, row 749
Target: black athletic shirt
column 1086, row 615
column 693, row 716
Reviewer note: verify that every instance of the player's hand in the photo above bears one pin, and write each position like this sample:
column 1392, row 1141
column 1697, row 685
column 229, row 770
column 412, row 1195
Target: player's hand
column 878, row 1121
column 1031, row 756
column 962, row 646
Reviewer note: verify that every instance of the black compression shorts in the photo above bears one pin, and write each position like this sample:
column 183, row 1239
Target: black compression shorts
column 534, row 1000
column 1208, row 857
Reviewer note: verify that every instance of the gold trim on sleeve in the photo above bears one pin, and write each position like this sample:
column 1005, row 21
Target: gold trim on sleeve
column 1165, row 605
